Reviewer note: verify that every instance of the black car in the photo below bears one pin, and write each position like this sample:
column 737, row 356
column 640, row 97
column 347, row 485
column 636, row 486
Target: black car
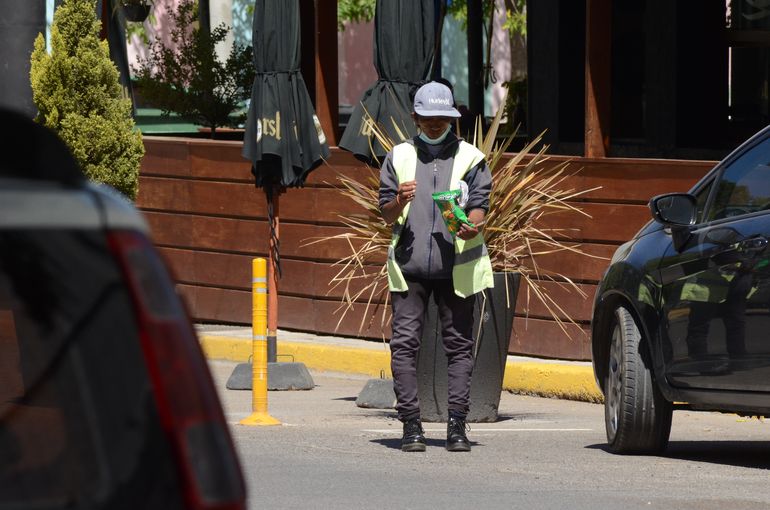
column 681, row 318
column 106, row 400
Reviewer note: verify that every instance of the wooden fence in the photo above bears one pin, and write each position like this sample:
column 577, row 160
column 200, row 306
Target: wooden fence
column 209, row 221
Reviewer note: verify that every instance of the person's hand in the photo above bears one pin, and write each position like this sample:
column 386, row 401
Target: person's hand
column 467, row 232
column 478, row 218
column 406, row 192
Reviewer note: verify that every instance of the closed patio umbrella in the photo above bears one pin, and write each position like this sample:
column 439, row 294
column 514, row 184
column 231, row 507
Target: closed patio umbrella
column 115, row 32
column 283, row 140
column 404, row 38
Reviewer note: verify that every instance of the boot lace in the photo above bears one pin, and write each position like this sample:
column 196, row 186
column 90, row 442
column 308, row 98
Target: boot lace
column 459, row 427
column 413, row 428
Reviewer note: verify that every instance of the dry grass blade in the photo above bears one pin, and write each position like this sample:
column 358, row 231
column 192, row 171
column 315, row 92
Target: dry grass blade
column 362, row 288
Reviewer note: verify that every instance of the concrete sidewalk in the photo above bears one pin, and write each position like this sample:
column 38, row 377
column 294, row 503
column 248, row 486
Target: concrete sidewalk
column 547, row 378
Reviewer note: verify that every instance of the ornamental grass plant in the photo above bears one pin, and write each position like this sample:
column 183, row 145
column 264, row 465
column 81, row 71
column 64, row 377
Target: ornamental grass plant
column 525, row 191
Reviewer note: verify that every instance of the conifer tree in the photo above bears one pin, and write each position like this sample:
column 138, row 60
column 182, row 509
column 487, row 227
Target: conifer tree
column 77, row 93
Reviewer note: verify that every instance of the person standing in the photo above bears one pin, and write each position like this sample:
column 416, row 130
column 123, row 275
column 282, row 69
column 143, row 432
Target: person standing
column 425, row 260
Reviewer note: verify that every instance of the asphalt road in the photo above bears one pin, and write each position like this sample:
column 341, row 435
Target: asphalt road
column 542, row 454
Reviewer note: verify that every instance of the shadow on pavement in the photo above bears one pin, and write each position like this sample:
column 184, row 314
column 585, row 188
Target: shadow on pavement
column 748, row 454
column 751, row 454
column 395, row 442
column 522, row 417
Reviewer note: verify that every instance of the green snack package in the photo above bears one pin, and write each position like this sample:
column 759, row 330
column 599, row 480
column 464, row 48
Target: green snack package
column 453, row 214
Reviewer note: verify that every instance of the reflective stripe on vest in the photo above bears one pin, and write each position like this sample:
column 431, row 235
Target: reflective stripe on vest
column 472, row 271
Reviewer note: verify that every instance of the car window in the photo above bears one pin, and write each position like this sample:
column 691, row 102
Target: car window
column 79, row 427
column 744, row 186
column 701, row 198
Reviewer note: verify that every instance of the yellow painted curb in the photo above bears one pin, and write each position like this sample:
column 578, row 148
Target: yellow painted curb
column 230, row 349
column 529, row 378
column 334, row 358
column 321, row 357
column 552, row 380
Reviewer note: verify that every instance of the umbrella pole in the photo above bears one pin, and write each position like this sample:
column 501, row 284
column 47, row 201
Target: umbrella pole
column 281, row 376
column 272, row 284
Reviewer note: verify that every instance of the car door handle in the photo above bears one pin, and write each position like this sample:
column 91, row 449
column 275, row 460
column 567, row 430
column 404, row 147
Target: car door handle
column 753, row 244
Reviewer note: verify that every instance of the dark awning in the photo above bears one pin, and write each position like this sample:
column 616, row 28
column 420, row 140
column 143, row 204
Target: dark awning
column 404, row 33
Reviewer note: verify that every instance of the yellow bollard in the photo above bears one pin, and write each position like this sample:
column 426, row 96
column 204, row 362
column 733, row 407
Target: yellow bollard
column 259, row 415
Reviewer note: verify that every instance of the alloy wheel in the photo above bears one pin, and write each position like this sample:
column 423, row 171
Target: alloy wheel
column 614, row 384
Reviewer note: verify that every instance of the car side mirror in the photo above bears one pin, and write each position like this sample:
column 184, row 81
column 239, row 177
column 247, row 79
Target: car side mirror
column 676, row 211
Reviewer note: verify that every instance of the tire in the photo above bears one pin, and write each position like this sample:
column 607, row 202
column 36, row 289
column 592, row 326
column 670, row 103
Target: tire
column 636, row 415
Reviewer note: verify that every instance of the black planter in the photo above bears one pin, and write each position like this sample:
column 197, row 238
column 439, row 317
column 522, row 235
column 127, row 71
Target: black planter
column 491, row 351
column 136, row 13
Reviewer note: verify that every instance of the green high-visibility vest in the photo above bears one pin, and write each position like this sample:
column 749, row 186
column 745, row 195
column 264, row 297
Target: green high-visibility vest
column 472, row 271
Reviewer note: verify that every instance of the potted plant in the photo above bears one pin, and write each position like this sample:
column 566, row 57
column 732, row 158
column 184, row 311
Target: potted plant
column 136, row 10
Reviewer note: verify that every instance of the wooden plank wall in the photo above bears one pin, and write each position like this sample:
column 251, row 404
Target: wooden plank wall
column 209, row 220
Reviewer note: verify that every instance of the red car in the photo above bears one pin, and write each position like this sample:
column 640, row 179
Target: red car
column 106, row 400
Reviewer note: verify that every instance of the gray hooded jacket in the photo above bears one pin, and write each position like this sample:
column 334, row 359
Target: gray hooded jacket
column 425, row 248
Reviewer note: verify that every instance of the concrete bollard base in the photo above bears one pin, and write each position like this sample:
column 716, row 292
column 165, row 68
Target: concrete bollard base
column 288, row 376
column 377, row 394
column 280, row 376
column 241, row 377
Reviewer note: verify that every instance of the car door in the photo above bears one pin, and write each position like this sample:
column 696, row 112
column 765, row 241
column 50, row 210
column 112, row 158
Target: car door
column 716, row 287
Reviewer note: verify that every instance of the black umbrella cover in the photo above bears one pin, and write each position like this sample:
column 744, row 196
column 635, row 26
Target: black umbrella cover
column 404, row 38
column 116, row 39
column 284, row 140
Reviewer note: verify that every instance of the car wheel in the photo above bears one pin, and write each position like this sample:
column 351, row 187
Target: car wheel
column 636, row 415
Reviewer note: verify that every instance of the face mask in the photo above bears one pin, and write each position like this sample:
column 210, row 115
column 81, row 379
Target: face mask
column 435, row 141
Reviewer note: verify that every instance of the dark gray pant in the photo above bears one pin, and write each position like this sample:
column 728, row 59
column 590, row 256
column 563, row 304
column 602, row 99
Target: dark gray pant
column 456, row 317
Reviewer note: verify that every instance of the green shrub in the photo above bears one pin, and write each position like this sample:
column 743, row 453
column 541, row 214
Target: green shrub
column 190, row 80
column 77, row 93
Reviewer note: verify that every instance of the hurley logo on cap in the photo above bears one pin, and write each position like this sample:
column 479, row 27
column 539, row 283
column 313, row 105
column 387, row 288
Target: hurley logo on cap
column 434, row 100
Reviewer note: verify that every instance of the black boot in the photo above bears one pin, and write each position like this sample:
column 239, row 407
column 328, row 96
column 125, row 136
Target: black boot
column 414, row 436
column 456, row 440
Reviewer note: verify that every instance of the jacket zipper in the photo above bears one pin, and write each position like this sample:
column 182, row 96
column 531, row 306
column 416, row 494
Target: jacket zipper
column 433, row 219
